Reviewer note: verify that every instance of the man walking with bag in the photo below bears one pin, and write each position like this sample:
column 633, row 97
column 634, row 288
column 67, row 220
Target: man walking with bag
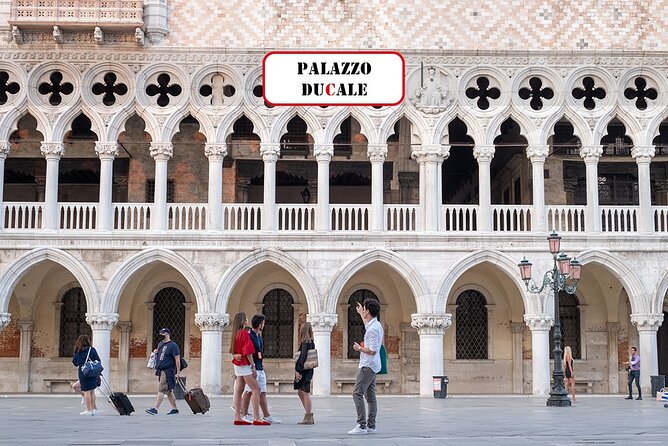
column 369, row 366
column 167, row 368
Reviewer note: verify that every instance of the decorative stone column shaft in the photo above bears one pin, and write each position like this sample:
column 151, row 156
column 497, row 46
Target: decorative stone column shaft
column 613, row 357
column 643, row 156
column 484, row 156
column 270, row 152
column 211, row 326
column 125, row 328
column 648, row 326
column 322, row 324
column 537, row 156
column 540, row 325
column 323, row 155
column 26, row 329
column 430, row 158
column 101, row 325
column 431, row 328
column 52, row 151
column 517, row 329
column 377, row 154
column 161, row 153
column 5, row 148
column 591, row 155
column 214, row 215
column 107, row 152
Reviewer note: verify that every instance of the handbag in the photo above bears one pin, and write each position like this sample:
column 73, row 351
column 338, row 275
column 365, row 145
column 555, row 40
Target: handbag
column 91, row 368
column 311, row 358
column 383, row 360
column 184, row 364
column 152, row 360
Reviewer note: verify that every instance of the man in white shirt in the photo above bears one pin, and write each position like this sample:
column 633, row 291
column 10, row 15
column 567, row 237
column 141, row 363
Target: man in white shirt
column 365, row 384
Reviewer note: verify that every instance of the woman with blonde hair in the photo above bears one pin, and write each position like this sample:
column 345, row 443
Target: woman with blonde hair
column 569, row 375
column 242, row 350
column 303, row 377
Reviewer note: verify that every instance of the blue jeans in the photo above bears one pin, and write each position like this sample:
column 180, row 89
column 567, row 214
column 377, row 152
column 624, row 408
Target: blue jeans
column 634, row 374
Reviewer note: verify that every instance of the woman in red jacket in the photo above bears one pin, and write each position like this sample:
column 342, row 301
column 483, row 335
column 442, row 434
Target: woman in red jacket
column 242, row 350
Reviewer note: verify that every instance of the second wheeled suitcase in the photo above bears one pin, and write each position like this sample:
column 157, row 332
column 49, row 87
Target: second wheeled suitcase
column 119, row 400
column 196, row 400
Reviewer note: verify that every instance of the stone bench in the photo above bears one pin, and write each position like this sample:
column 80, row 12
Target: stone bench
column 51, row 381
column 275, row 384
column 382, row 384
column 584, row 381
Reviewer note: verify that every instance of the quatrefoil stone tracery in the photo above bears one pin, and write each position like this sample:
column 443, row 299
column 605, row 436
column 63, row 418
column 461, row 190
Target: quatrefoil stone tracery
column 163, row 90
column 55, row 88
column 110, row 89
column 536, row 93
column 641, row 93
column 218, row 89
column 7, row 87
column 483, row 92
column 589, row 93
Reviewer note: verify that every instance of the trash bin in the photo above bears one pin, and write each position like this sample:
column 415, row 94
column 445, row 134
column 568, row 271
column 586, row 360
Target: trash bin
column 658, row 383
column 178, row 391
column 440, row 384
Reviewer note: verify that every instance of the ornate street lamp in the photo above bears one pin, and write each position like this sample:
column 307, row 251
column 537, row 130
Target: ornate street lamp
column 563, row 276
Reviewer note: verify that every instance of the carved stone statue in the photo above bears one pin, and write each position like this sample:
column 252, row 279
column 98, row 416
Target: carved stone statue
column 431, row 97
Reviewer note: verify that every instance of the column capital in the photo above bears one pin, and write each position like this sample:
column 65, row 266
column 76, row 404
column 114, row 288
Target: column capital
column 322, row 321
column 614, row 327
column 26, row 326
column 539, row 322
column 106, row 150
column 647, row 322
column 102, row 321
column 161, row 150
column 5, row 148
column 643, row 154
column 215, row 151
column 431, row 153
column 124, row 326
column 52, row 150
column 270, row 151
column 431, row 323
column 323, row 152
column 376, row 152
column 538, row 152
column 591, row 153
column 5, row 319
column 484, row 153
column 212, row 321
column 518, row 327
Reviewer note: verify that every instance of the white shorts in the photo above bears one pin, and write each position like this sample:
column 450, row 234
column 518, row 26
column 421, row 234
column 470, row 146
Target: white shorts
column 242, row 370
column 261, row 380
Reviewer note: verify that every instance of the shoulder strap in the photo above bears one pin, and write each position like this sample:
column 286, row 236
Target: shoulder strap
column 88, row 355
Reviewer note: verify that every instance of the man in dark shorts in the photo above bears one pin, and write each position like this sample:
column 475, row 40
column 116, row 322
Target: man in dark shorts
column 167, row 369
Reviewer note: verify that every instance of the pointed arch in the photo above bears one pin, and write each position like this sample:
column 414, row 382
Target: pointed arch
column 125, row 272
column 152, row 126
column 652, row 130
column 473, row 128
column 419, row 127
column 335, row 121
column 10, row 121
column 498, row 259
column 630, row 123
column 18, row 269
column 280, row 259
column 117, row 124
column 407, row 272
column 226, row 126
column 64, row 123
column 659, row 295
column 171, row 125
column 639, row 297
column 580, row 127
column 527, row 128
column 280, row 125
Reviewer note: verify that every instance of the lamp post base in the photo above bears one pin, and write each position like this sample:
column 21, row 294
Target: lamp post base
column 557, row 399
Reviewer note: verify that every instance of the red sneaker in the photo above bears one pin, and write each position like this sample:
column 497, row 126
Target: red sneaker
column 261, row 423
column 241, row 423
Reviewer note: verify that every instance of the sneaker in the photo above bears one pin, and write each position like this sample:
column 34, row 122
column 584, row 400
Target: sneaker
column 247, row 418
column 628, row 398
column 242, row 423
column 261, row 423
column 370, row 430
column 85, row 412
column 152, row 411
column 272, row 420
column 639, row 398
column 173, row 412
column 357, row 430
column 93, row 412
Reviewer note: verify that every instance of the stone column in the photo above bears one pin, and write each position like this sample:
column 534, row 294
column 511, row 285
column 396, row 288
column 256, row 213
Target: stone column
column 484, row 155
column 5, row 147
column 211, row 325
column 430, row 157
column 591, row 155
column 647, row 325
column 518, row 358
column 26, row 328
column 431, row 328
column 377, row 154
column 537, row 156
column 243, row 184
column 5, row 319
column 643, row 156
column 540, row 325
column 322, row 324
column 214, row 213
column 106, row 151
column 270, row 152
column 613, row 357
column 323, row 155
column 125, row 328
column 161, row 153
column 52, row 151
column 101, row 325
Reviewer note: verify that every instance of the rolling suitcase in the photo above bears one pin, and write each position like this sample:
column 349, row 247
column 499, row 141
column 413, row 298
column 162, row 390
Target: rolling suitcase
column 119, row 400
column 196, row 399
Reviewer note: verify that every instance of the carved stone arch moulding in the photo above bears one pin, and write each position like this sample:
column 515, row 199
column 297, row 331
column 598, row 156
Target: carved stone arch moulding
column 162, row 86
column 642, row 91
column 54, row 85
column 253, row 93
column 217, row 86
column 108, row 86
column 591, row 91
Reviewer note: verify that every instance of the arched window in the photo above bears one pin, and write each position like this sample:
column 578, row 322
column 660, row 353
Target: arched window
column 279, row 324
column 72, row 321
column 569, row 318
column 471, row 325
column 170, row 312
column 355, row 323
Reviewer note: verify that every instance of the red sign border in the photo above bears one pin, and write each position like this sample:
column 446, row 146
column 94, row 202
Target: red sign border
column 403, row 79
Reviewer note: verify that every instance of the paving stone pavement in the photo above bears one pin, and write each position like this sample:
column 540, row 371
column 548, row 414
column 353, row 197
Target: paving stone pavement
column 39, row 420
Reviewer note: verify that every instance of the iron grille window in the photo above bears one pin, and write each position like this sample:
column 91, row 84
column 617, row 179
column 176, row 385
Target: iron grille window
column 471, row 322
column 569, row 318
column 355, row 323
column 72, row 321
column 150, row 191
column 170, row 312
column 279, row 325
